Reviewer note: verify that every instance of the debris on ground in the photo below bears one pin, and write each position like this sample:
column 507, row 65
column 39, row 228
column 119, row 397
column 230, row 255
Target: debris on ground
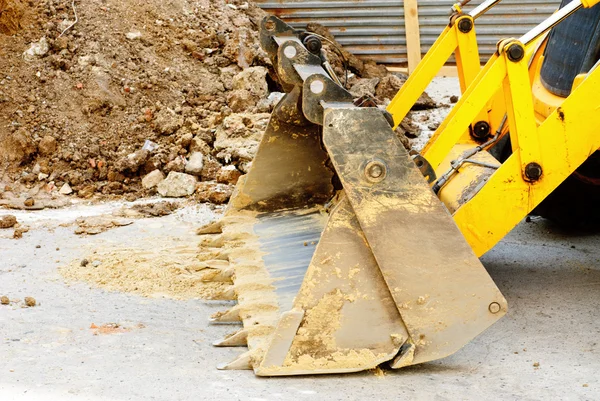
column 99, row 224
column 156, row 209
column 112, row 328
column 166, row 268
column 4, row 300
column 19, row 231
column 30, row 302
column 8, row 221
column 139, row 89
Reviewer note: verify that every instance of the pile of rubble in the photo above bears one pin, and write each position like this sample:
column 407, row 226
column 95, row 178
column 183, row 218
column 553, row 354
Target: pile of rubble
column 134, row 97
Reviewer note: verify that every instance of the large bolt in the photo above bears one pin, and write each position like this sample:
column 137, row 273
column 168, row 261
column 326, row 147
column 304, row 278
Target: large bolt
column 481, row 130
column 494, row 307
column 465, row 25
column 515, row 52
column 375, row 171
column 533, row 171
column 313, row 44
column 270, row 25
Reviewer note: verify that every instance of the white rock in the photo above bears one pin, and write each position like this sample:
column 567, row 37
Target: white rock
column 195, row 164
column 42, row 176
column 37, row 49
column 177, row 185
column 65, row 189
column 133, row 35
column 152, row 179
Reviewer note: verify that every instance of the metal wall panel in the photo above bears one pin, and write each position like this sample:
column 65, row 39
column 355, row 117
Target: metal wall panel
column 374, row 29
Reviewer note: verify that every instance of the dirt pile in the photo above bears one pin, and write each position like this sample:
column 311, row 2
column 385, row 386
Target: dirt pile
column 95, row 97
column 77, row 106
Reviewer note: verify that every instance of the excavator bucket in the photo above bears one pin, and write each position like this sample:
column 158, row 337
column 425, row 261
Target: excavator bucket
column 338, row 253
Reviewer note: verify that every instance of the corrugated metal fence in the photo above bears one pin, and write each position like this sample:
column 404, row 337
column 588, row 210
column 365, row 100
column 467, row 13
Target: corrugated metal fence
column 375, row 29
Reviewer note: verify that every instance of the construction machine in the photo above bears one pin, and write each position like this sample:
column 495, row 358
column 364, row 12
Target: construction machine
column 345, row 251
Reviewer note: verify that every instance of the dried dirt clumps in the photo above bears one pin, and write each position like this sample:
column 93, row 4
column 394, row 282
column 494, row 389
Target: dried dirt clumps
column 79, row 108
column 137, row 87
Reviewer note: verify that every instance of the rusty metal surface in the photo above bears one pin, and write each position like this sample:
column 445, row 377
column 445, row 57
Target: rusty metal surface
column 439, row 286
column 374, row 29
column 289, row 170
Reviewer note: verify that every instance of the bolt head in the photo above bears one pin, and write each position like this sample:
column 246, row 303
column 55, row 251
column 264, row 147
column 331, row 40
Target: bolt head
column 375, row 171
column 494, row 307
column 516, row 52
column 270, row 25
column 481, row 130
column 465, row 25
column 533, row 171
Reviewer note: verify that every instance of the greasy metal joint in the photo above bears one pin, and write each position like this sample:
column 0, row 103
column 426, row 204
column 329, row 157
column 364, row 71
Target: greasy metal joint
column 465, row 25
column 290, row 51
column 375, row 171
column 533, row 171
column 313, row 44
column 515, row 52
column 270, row 25
column 480, row 130
column 425, row 167
column 495, row 307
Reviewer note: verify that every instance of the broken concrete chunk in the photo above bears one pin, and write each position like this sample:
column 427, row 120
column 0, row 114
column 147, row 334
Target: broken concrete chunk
column 37, row 49
column 152, row 179
column 195, row 164
column 177, row 185
column 228, row 175
column 66, row 189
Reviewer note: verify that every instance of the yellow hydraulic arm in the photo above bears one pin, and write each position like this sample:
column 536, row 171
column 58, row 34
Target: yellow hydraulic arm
column 458, row 37
column 543, row 155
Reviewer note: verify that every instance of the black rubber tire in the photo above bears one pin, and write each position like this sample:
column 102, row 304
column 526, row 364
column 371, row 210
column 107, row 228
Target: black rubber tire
column 576, row 202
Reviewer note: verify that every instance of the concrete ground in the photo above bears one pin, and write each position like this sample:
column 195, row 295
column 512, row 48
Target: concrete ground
column 545, row 348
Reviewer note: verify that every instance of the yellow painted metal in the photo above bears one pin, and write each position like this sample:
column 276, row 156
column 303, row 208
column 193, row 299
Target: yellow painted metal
column 452, row 40
column 465, row 111
column 544, row 102
column 422, row 75
column 560, row 144
column 589, row 3
column 469, row 178
column 468, row 62
column 519, row 106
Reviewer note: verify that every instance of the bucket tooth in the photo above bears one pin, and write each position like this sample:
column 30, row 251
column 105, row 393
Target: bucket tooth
column 215, row 264
column 405, row 357
column 229, row 316
column 219, row 275
column 227, row 293
column 211, row 228
column 242, row 362
column 213, row 254
column 237, row 339
column 342, row 294
column 213, row 241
